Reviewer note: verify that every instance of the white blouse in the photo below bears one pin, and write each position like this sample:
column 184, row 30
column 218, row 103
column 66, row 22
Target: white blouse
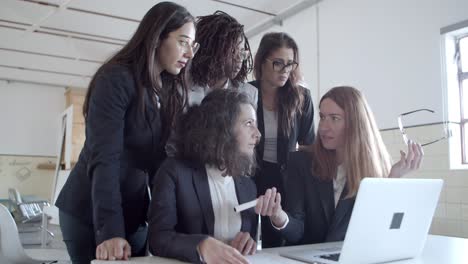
column 338, row 183
column 271, row 136
column 227, row 223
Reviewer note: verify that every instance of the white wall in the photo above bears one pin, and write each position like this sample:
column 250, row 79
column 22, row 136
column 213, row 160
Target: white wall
column 388, row 49
column 29, row 118
column 451, row 216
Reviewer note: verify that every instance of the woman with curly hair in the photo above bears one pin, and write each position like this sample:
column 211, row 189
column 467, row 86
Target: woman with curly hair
column 191, row 216
column 285, row 115
column 225, row 60
column 223, row 63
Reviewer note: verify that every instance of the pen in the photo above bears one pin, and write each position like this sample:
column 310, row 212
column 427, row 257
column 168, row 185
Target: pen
column 245, row 206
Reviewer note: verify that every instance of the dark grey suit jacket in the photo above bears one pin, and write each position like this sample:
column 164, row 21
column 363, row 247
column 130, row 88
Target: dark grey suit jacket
column 181, row 213
column 310, row 205
column 302, row 132
column 107, row 189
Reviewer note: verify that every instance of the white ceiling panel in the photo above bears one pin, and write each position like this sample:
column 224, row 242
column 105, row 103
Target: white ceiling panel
column 43, row 78
column 94, row 51
column 24, row 12
column 86, row 23
column 268, row 6
column 47, row 63
column 55, row 45
column 71, row 38
column 120, row 8
column 246, row 17
column 55, row 2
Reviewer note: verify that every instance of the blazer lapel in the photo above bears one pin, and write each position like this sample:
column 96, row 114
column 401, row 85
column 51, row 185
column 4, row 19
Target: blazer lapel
column 344, row 206
column 325, row 190
column 200, row 180
column 242, row 197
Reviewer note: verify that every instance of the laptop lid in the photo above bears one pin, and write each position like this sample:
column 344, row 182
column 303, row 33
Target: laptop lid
column 390, row 221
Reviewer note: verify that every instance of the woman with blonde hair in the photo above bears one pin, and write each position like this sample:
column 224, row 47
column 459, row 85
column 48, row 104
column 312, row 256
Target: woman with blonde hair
column 323, row 182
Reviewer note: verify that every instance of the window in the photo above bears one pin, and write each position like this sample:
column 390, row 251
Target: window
column 461, row 56
column 455, row 57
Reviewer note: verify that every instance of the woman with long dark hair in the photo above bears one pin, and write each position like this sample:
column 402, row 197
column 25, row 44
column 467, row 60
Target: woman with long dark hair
column 285, row 115
column 129, row 109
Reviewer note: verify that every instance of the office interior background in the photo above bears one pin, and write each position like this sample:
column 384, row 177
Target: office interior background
column 400, row 53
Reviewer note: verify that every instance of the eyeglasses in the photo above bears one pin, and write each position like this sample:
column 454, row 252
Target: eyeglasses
column 403, row 132
column 185, row 46
column 242, row 54
column 279, row 66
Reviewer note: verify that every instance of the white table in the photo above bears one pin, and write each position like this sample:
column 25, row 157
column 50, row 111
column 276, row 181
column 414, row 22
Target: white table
column 438, row 249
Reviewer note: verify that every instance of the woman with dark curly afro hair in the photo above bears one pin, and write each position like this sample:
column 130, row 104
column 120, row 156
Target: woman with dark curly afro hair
column 225, row 59
column 223, row 62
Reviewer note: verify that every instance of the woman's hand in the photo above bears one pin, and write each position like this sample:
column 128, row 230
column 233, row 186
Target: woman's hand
column 269, row 204
column 244, row 243
column 215, row 251
column 408, row 162
column 115, row 248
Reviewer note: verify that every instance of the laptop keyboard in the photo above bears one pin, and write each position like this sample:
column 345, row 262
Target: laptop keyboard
column 334, row 257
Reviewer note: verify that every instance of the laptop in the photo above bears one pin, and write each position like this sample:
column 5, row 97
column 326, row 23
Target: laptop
column 390, row 221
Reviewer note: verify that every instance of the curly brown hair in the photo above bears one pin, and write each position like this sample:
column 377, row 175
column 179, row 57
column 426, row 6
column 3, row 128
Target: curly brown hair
column 206, row 133
column 218, row 35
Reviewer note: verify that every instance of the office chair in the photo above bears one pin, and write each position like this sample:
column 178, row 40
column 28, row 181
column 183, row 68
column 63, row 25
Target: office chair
column 11, row 250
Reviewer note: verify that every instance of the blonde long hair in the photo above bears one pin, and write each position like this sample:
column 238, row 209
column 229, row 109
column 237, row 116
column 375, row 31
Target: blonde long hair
column 365, row 154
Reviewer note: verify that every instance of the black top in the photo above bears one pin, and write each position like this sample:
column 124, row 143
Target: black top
column 310, row 205
column 302, row 131
column 108, row 186
column 181, row 212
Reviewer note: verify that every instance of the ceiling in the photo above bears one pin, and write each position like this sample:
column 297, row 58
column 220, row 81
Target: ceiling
column 63, row 42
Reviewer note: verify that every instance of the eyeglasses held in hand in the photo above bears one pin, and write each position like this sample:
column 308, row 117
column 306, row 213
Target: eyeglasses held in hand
column 403, row 132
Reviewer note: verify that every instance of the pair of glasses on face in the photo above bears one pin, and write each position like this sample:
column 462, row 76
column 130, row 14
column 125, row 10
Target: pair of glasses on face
column 280, row 66
column 403, row 131
column 185, row 46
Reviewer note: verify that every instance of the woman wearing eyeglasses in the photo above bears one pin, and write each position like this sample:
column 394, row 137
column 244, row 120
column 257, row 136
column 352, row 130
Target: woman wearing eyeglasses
column 285, row 115
column 323, row 181
column 130, row 105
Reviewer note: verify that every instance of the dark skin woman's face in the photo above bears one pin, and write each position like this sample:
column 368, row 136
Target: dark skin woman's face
column 235, row 65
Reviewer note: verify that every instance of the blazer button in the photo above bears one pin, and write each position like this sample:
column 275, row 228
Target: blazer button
column 283, row 167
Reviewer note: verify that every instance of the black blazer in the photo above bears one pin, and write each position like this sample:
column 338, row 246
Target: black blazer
column 107, row 188
column 302, row 132
column 310, row 205
column 181, row 213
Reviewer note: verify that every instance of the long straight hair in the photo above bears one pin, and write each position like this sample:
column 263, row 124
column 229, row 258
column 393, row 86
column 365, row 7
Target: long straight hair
column 140, row 55
column 290, row 99
column 365, row 154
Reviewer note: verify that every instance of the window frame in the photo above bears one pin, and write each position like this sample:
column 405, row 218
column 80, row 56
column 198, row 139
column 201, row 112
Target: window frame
column 462, row 76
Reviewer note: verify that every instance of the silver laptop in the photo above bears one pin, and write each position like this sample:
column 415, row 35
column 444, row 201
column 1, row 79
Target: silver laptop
column 389, row 222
